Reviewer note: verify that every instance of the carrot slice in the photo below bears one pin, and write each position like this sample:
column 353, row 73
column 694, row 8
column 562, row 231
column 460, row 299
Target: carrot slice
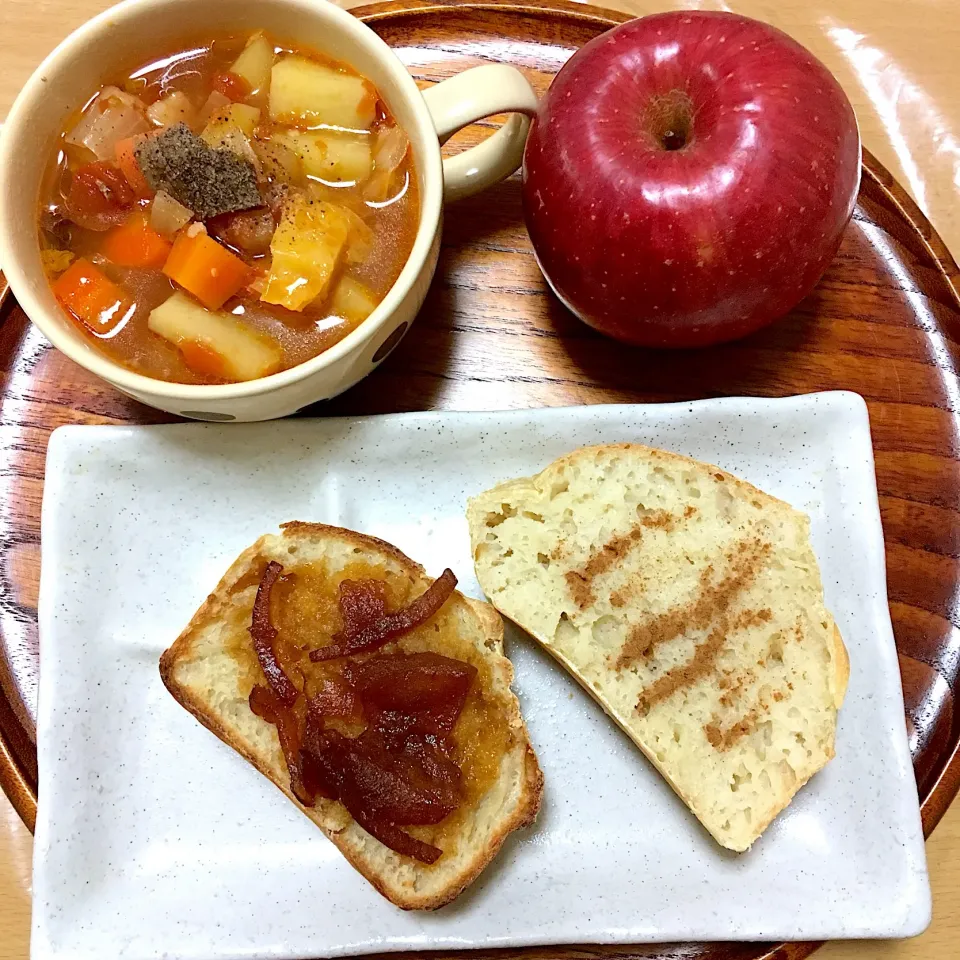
column 136, row 244
column 127, row 162
column 204, row 268
column 90, row 296
column 203, row 359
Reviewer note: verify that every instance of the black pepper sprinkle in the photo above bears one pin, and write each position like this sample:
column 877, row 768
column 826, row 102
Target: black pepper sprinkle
column 208, row 181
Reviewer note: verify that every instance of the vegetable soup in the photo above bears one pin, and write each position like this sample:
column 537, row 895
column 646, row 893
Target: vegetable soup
column 228, row 210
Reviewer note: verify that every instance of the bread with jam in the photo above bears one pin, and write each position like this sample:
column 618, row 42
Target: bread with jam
column 370, row 695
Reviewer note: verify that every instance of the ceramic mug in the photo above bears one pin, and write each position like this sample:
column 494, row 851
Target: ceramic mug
column 137, row 30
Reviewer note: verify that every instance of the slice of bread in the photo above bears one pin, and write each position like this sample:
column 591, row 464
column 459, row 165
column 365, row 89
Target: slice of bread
column 212, row 667
column 689, row 604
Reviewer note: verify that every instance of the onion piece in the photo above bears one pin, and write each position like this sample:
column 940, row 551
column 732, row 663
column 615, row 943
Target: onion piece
column 391, row 148
column 213, row 105
column 111, row 94
column 360, row 238
column 235, row 140
column 167, row 216
column 106, row 122
column 278, row 162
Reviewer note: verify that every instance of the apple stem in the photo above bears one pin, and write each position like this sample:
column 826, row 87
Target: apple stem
column 673, row 139
column 669, row 120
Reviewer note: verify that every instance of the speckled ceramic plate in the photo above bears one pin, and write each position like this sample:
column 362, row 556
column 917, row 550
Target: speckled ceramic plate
column 154, row 839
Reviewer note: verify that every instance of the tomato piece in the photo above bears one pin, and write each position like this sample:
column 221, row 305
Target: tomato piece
column 232, row 86
column 99, row 188
column 127, row 162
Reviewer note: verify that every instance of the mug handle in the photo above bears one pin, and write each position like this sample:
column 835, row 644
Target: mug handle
column 470, row 96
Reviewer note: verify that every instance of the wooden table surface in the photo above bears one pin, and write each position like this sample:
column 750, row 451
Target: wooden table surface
column 897, row 63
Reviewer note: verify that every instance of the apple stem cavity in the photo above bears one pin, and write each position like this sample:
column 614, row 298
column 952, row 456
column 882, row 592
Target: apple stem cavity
column 669, row 120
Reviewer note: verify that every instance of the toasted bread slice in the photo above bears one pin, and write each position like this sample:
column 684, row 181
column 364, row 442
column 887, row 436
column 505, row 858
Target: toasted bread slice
column 689, row 604
column 212, row 667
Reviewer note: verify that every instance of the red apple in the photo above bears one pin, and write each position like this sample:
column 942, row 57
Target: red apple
column 688, row 178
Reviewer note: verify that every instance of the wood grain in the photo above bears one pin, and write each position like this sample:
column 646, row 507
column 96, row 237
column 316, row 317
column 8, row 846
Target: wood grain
column 884, row 322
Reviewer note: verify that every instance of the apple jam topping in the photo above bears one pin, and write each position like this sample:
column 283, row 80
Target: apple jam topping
column 263, row 634
column 383, row 786
column 264, row 703
column 366, row 623
column 411, row 694
column 374, row 729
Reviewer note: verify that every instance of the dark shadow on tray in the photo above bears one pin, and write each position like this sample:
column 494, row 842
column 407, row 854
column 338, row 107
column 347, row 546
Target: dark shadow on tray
column 403, row 381
column 473, row 220
column 757, row 365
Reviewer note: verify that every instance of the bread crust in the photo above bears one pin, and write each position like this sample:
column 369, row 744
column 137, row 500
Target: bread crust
column 841, row 662
column 371, row 859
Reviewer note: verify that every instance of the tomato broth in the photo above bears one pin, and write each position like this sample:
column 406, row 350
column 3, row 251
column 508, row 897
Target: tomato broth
column 227, row 210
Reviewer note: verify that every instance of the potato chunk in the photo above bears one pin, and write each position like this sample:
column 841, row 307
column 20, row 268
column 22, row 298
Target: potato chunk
column 255, row 63
column 174, row 108
column 238, row 116
column 306, row 248
column 352, row 301
column 308, row 94
column 214, row 344
column 334, row 157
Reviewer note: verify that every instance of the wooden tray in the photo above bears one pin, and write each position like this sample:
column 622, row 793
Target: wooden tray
column 885, row 322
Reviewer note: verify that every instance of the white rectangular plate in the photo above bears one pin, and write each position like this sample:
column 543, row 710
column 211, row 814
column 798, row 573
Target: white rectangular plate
column 156, row 840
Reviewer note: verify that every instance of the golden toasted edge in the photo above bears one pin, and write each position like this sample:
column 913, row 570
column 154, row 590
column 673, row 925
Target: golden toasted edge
column 654, row 453
column 528, row 804
column 840, row 655
column 302, row 528
column 208, row 611
column 841, row 663
column 531, row 793
column 841, row 659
